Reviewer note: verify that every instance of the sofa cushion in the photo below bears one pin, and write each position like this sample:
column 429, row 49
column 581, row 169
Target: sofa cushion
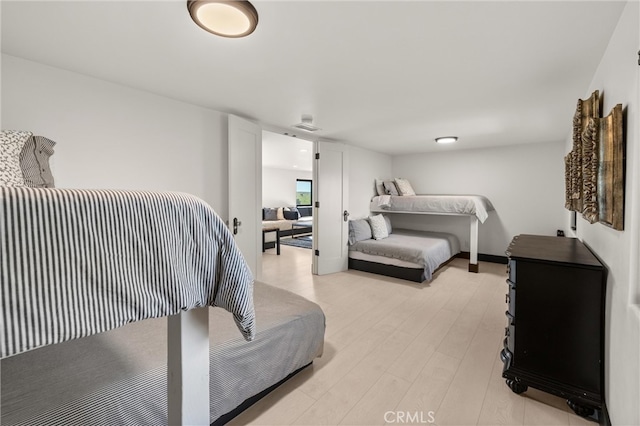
column 305, row 211
column 270, row 214
column 291, row 214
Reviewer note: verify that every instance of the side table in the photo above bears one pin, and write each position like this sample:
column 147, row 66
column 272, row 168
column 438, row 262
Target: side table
column 277, row 231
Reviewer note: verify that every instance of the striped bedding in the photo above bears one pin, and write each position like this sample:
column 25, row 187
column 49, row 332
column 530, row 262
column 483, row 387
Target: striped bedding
column 79, row 262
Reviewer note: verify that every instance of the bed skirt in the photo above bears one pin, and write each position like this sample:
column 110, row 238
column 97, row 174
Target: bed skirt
column 409, row 274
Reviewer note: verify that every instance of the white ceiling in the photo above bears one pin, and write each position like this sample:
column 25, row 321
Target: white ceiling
column 390, row 76
column 286, row 152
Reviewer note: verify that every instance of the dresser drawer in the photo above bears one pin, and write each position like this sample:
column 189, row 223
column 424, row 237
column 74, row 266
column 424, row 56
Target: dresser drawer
column 511, row 270
column 510, row 298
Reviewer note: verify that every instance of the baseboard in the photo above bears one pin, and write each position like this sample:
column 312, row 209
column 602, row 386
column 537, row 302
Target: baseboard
column 485, row 257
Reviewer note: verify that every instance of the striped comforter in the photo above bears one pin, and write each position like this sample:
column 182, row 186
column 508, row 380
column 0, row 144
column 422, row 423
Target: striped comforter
column 79, row 262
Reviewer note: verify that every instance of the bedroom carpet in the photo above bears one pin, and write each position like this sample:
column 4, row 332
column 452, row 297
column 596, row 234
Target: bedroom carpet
column 304, row 242
column 395, row 348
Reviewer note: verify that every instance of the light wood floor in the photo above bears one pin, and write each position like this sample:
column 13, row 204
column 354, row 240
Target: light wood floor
column 398, row 352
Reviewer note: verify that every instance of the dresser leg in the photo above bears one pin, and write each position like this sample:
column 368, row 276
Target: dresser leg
column 516, row 386
column 580, row 409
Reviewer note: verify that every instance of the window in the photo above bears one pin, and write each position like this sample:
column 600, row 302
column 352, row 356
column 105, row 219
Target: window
column 304, row 192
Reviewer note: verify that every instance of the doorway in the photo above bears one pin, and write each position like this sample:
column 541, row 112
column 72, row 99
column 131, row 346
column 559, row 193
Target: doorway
column 287, row 184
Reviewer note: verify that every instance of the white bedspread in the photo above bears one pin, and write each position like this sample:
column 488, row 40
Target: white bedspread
column 477, row 205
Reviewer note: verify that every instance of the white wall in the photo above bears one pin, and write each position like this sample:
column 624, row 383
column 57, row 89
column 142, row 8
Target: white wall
column 617, row 81
column 111, row 136
column 524, row 183
column 364, row 167
column 279, row 186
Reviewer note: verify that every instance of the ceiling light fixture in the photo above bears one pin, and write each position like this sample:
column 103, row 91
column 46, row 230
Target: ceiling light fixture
column 447, row 139
column 307, row 124
column 231, row 19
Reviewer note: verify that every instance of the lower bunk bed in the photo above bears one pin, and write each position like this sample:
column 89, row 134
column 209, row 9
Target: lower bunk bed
column 405, row 254
column 120, row 376
column 136, row 307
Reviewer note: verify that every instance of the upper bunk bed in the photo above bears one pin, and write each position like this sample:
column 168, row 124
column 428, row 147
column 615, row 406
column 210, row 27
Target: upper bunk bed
column 397, row 196
column 461, row 205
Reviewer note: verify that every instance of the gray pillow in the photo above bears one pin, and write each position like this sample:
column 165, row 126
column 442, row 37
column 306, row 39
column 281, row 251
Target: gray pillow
column 270, row 214
column 380, row 187
column 34, row 162
column 390, row 187
column 359, row 230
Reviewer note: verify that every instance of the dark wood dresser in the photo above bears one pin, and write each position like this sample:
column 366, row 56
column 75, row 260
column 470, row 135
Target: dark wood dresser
column 554, row 340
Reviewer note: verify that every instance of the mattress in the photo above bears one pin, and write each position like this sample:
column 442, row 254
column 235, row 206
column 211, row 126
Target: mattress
column 120, row 376
column 435, row 204
column 427, row 249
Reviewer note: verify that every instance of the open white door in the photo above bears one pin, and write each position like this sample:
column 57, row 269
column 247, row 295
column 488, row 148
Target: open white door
column 245, row 189
column 330, row 225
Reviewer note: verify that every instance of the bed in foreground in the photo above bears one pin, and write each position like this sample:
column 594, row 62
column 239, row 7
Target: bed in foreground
column 88, row 277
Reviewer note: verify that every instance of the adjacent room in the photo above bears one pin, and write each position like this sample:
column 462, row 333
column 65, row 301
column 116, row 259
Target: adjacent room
column 327, row 212
column 287, row 191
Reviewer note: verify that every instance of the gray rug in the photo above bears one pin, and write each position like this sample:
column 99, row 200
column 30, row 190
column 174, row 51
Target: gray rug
column 304, row 242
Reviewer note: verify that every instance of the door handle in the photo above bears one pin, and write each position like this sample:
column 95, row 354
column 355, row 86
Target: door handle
column 236, row 223
column 345, row 215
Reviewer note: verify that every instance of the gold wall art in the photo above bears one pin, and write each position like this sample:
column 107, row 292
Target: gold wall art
column 594, row 169
column 611, row 170
column 590, row 165
column 585, row 109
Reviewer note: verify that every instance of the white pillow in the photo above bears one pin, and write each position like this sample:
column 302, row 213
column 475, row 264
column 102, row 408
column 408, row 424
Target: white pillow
column 280, row 213
column 378, row 227
column 390, row 187
column 380, row 187
column 11, row 144
column 404, row 187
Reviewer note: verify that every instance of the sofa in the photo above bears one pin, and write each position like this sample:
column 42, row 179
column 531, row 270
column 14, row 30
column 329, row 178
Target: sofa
column 283, row 219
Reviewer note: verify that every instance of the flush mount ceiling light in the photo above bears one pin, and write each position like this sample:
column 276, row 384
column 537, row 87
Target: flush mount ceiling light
column 306, row 124
column 447, row 139
column 224, row 18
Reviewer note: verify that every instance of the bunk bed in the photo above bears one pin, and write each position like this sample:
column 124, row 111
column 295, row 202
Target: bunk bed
column 405, row 254
column 87, row 272
column 476, row 207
